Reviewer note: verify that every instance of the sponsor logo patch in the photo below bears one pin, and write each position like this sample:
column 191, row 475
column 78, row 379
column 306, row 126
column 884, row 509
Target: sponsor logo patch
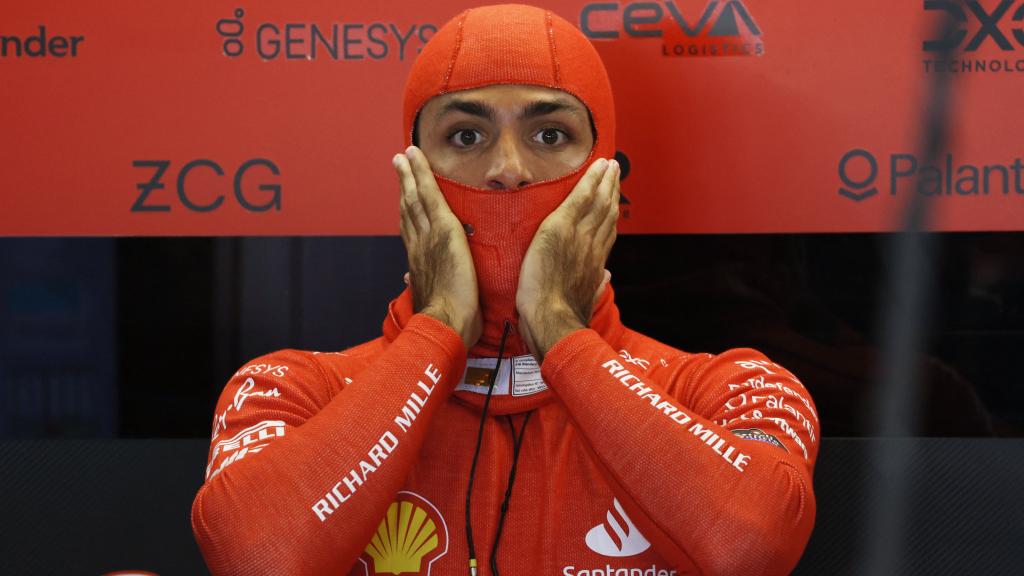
column 988, row 37
column 249, row 441
column 863, row 175
column 616, row 537
column 411, row 537
column 759, row 435
column 687, row 28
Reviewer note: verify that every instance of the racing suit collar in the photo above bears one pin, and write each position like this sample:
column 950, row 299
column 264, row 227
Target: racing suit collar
column 605, row 321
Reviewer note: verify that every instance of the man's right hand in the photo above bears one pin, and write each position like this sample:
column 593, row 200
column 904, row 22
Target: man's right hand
column 441, row 269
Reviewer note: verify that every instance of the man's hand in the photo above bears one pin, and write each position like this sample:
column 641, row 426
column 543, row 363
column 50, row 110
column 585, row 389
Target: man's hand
column 563, row 270
column 441, row 269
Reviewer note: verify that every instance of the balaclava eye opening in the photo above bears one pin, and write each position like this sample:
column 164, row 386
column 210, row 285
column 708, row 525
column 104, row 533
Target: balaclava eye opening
column 509, row 44
column 416, row 128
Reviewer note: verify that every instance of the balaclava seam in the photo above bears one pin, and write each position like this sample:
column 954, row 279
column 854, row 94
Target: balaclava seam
column 455, row 53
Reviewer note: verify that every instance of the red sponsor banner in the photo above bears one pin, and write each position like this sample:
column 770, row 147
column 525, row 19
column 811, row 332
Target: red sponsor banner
column 268, row 118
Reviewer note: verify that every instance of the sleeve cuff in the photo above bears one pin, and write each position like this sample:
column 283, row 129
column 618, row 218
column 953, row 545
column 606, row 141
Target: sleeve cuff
column 568, row 349
column 437, row 332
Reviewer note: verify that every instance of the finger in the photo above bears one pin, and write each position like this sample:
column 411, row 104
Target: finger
column 426, row 185
column 610, row 184
column 609, row 227
column 404, row 226
column 411, row 200
column 595, row 217
column 407, row 230
column 609, row 232
column 609, row 240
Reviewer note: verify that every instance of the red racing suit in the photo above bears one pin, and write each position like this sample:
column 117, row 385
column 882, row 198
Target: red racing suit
column 638, row 460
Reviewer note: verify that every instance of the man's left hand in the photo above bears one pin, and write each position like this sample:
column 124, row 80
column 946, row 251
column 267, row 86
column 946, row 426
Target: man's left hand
column 563, row 270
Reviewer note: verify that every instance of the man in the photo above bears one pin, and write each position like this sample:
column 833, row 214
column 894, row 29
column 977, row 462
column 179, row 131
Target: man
column 589, row 449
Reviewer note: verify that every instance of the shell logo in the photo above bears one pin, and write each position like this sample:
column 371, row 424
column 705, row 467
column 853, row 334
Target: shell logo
column 410, row 538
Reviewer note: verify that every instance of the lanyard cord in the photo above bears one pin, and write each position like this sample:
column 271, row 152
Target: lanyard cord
column 476, row 453
column 518, row 442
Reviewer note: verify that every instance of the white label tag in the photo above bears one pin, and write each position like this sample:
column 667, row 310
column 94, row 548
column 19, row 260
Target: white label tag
column 526, row 378
column 520, row 377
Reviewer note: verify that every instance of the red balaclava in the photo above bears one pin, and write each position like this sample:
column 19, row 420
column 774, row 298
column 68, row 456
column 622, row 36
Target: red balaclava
column 509, row 44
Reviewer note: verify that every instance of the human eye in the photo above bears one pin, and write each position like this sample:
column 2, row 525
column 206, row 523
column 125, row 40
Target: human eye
column 465, row 138
column 551, row 137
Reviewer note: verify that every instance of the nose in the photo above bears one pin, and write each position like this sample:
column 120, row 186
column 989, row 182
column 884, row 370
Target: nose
column 508, row 169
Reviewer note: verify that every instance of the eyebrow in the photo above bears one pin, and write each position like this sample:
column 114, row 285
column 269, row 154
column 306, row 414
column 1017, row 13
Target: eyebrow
column 533, row 110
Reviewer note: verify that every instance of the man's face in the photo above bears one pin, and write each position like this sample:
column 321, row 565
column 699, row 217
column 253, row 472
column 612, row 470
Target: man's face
column 505, row 136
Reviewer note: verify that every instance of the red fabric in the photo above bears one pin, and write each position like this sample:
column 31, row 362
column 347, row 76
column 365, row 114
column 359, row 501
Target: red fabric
column 509, row 44
column 598, row 437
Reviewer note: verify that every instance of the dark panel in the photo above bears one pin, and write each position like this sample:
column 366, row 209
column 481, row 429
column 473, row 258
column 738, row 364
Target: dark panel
column 87, row 507
column 165, row 335
column 92, row 506
column 964, row 510
column 58, row 348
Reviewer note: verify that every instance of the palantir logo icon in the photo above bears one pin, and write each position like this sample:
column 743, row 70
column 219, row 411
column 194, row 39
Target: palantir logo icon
column 616, row 536
column 853, row 188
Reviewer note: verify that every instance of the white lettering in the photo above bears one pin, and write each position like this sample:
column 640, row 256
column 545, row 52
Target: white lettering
column 639, row 388
column 409, row 413
column 265, row 430
column 322, row 509
column 741, row 462
column 412, row 406
column 377, row 454
column 706, row 435
column 433, row 373
column 613, row 366
column 645, row 364
column 654, row 398
column 680, row 417
column 758, row 382
column 336, row 491
column 353, row 481
column 785, row 427
column 779, row 402
column 425, row 388
column 241, row 395
column 355, row 477
column 389, row 441
column 666, row 407
column 756, row 365
column 720, row 446
column 265, row 369
column 609, row 570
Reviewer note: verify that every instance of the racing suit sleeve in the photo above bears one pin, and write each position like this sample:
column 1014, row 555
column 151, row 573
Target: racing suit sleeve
column 711, row 456
column 298, row 481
